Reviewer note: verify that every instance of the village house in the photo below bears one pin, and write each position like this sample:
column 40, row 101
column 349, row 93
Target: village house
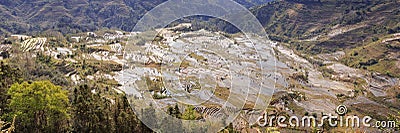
column 76, row 38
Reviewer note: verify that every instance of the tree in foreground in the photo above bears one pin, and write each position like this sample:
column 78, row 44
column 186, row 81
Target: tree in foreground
column 94, row 112
column 40, row 106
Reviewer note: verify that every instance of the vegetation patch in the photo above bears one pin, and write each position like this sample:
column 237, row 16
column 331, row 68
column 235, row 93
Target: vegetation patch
column 154, row 84
column 197, row 57
column 222, row 92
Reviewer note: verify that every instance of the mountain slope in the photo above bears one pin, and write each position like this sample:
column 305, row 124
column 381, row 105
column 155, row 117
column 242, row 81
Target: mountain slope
column 364, row 29
column 72, row 16
column 330, row 22
column 311, row 26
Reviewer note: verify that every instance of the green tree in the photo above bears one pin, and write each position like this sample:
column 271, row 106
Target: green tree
column 176, row 113
column 191, row 114
column 89, row 111
column 40, row 106
column 126, row 120
column 172, row 125
column 94, row 112
column 8, row 75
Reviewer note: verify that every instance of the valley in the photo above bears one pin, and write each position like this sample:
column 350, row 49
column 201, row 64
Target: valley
column 212, row 70
column 198, row 74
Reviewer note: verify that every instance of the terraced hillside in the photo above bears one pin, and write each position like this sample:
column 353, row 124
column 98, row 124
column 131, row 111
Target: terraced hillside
column 33, row 44
column 302, row 86
column 326, row 53
column 366, row 31
column 205, row 63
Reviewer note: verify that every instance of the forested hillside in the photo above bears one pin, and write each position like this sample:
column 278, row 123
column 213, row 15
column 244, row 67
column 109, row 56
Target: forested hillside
column 36, row 96
column 71, row 16
column 74, row 16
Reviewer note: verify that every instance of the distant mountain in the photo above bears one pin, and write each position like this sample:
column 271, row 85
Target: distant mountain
column 71, row 16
